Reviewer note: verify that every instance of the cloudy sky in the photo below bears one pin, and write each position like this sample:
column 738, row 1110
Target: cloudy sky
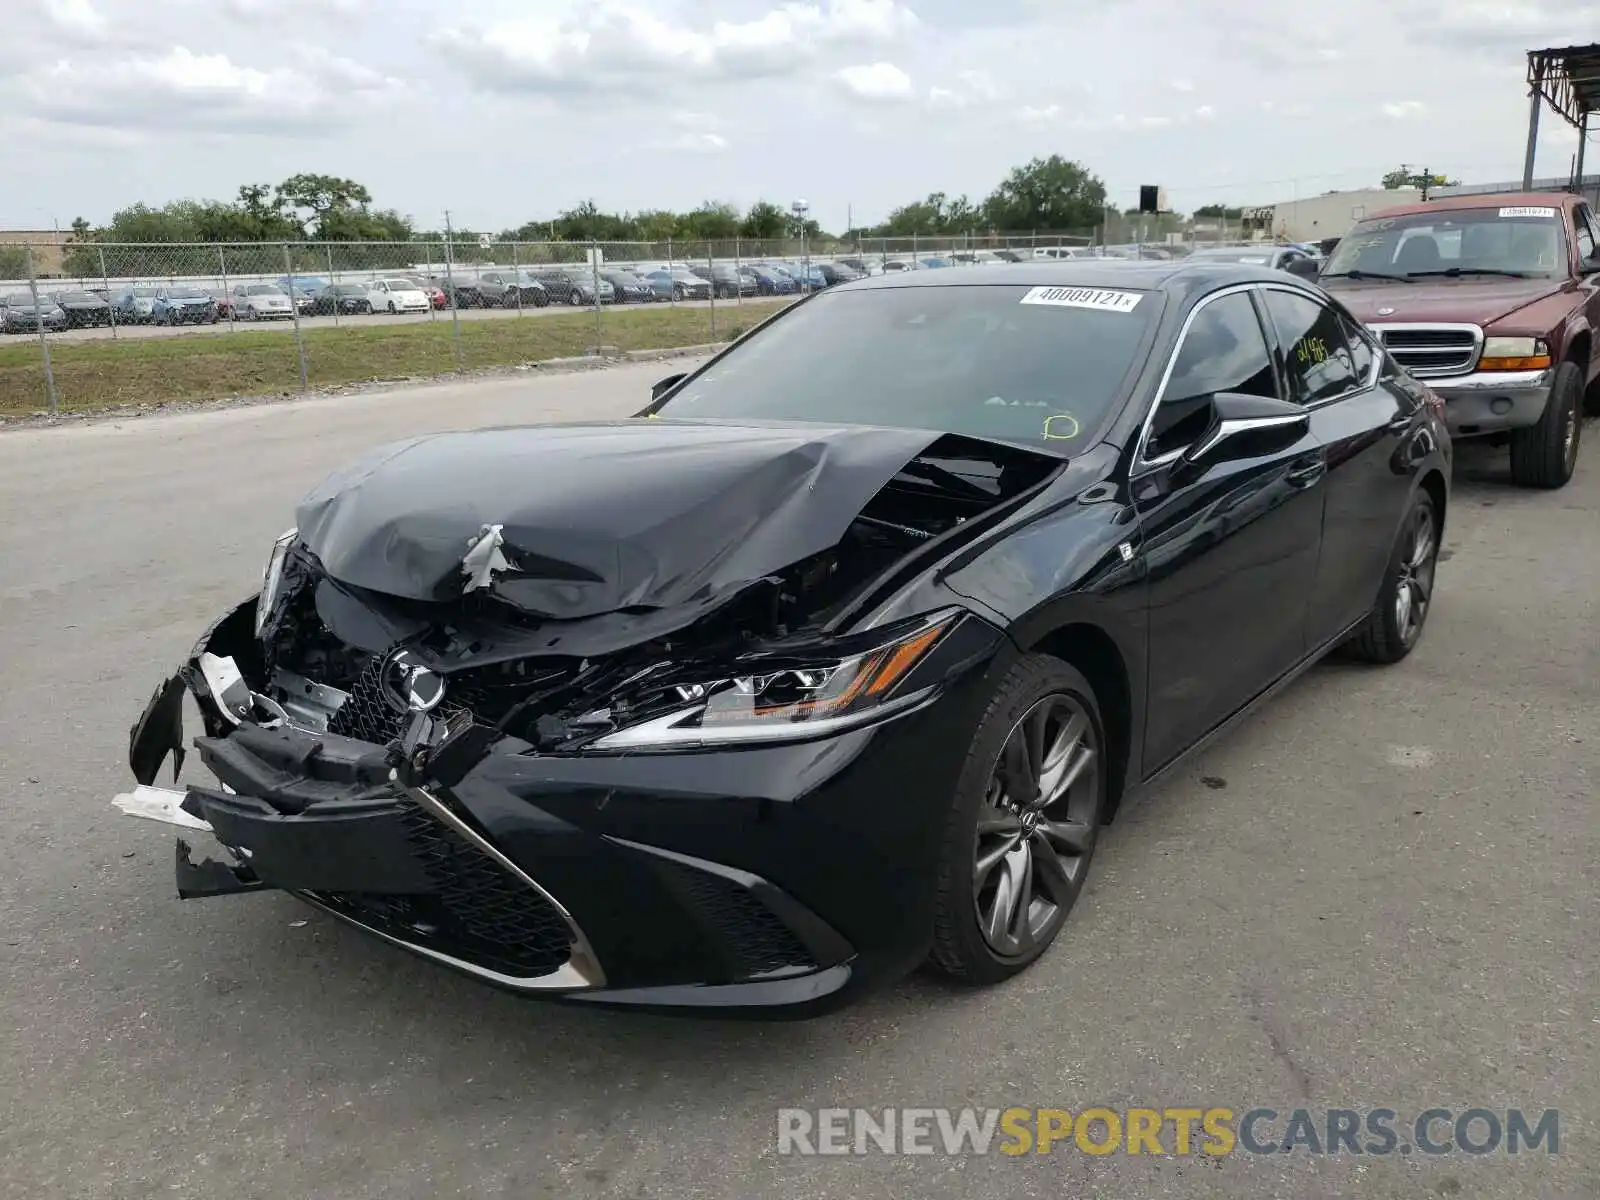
column 509, row 110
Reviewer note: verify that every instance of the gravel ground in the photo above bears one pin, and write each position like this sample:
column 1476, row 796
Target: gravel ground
column 1380, row 891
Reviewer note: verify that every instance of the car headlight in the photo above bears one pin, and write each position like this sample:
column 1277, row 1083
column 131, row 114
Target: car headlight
column 796, row 698
column 272, row 578
column 1514, row 354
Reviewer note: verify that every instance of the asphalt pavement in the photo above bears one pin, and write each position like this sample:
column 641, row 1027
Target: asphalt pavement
column 1380, row 891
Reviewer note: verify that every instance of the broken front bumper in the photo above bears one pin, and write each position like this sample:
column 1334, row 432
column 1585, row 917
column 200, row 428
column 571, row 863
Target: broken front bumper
column 588, row 878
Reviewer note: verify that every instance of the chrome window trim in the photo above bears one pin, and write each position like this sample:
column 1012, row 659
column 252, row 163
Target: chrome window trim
column 1139, row 460
column 1374, row 371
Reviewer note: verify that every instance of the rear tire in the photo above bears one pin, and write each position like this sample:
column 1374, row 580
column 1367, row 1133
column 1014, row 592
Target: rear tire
column 575, row 298
column 1545, row 455
column 989, row 846
column 1394, row 627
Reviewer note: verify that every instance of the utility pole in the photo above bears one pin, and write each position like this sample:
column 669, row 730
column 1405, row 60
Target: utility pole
column 450, row 282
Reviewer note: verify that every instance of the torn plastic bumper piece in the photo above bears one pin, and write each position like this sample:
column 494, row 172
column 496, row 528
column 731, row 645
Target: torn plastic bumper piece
column 209, row 877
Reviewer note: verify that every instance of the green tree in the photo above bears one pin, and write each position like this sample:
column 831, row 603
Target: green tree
column 321, row 195
column 937, row 214
column 13, row 262
column 1409, row 177
column 1219, row 210
column 765, row 220
column 1047, row 194
column 713, row 220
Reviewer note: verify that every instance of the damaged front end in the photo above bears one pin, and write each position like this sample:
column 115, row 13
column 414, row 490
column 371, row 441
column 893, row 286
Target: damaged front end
column 398, row 646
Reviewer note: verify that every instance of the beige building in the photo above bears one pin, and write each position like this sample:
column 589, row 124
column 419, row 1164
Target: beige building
column 47, row 246
column 1312, row 218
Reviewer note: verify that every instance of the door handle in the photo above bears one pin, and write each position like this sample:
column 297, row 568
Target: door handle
column 1307, row 473
column 1399, row 424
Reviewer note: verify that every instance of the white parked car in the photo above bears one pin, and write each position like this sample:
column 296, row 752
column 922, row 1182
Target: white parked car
column 261, row 302
column 397, row 296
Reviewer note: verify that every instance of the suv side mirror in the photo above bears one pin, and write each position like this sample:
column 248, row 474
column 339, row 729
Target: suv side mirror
column 1305, row 268
column 1244, row 427
column 1591, row 264
column 663, row 386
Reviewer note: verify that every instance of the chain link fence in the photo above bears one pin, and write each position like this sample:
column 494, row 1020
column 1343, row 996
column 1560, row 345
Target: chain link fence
column 103, row 325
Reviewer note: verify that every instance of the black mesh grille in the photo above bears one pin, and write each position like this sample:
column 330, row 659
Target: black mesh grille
column 481, row 913
column 758, row 940
column 367, row 715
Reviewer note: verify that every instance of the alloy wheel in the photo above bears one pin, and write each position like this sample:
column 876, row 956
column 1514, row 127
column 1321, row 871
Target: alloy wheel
column 1037, row 826
column 1414, row 588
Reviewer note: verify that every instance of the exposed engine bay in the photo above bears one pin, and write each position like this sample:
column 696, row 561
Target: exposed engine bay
column 334, row 657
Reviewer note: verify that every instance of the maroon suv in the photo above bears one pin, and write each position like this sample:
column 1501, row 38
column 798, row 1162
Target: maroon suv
column 1493, row 301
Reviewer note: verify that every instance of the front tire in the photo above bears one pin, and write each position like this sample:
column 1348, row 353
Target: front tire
column 1545, row 455
column 1023, row 824
column 1394, row 627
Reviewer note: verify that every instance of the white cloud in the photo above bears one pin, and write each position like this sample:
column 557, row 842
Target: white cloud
column 614, row 45
column 1204, row 113
column 881, row 81
column 1182, row 85
column 1041, row 115
column 78, row 17
column 183, row 89
column 1402, row 110
column 297, row 10
column 968, row 89
column 695, row 143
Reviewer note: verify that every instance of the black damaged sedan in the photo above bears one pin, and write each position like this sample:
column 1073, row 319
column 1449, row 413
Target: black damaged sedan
column 834, row 661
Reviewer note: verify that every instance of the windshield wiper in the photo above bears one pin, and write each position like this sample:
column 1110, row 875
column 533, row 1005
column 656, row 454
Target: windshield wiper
column 1367, row 275
column 1453, row 272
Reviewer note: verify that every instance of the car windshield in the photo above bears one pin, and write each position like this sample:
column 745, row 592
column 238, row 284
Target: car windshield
column 262, row 289
column 1517, row 240
column 401, row 285
column 349, row 289
column 17, row 300
column 76, row 298
column 1042, row 365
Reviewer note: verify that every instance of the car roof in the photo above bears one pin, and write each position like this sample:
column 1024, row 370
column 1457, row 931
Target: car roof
column 1485, row 200
column 1174, row 276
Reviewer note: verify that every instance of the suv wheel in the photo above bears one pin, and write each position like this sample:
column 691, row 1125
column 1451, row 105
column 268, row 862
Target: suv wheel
column 1546, row 454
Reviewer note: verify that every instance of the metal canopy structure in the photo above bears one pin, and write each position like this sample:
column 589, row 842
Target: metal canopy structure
column 1568, row 80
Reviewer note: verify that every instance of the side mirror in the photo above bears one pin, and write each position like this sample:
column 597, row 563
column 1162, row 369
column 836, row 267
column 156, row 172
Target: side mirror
column 1305, row 268
column 1244, row 427
column 664, row 386
column 1591, row 264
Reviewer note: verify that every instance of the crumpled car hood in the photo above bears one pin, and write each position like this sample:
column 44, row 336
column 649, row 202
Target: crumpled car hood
column 600, row 517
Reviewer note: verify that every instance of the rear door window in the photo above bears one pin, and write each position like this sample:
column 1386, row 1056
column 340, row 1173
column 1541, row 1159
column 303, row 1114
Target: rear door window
column 1317, row 356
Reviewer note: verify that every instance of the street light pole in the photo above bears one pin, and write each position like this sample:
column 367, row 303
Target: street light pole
column 800, row 208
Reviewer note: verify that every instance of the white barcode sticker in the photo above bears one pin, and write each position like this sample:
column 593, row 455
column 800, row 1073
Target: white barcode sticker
column 1528, row 212
column 1082, row 297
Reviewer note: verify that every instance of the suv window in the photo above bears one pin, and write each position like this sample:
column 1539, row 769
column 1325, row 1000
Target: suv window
column 1225, row 350
column 1584, row 223
column 1316, row 353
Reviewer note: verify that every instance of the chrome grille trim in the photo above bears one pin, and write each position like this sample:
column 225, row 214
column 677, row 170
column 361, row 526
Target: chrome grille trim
column 1431, row 349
